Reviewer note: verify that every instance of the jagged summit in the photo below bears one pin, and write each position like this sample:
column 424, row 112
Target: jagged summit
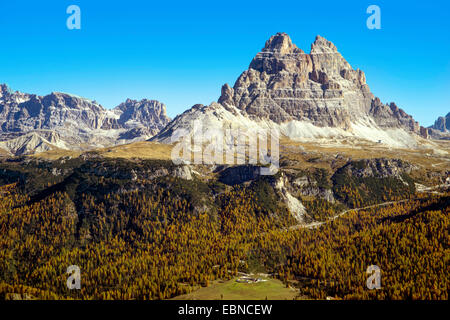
column 322, row 45
column 281, row 43
column 4, row 90
column 441, row 128
column 308, row 96
column 442, row 123
column 30, row 123
column 144, row 111
column 311, row 96
column 287, row 84
column 4, row 87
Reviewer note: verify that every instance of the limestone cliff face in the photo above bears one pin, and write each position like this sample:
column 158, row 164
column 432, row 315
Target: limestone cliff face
column 442, row 123
column 30, row 123
column 441, row 128
column 284, row 83
column 378, row 168
column 148, row 113
column 313, row 96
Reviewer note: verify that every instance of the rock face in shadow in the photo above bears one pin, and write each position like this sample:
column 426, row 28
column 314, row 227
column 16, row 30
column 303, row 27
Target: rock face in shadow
column 239, row 174
column 442, row 123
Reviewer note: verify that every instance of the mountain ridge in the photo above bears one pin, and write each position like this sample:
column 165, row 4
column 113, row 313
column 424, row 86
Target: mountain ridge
column 307, row 96
column 441, row 127
column 77, row 123
column 314, row 96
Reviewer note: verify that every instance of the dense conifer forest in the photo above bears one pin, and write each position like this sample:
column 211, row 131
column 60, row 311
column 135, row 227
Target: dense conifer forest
column 157, row 236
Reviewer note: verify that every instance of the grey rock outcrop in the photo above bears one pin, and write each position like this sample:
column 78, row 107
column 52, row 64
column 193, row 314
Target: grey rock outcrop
column 306, row 186
column 441, row 128
column 307, row 95
column 378, row 168
column 442, row 123
column 150, row 114
column 66, row 121
column 284, row 83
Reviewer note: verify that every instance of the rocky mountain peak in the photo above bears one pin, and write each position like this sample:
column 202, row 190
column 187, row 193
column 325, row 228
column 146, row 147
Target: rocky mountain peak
column 143, row 118
column 143, row 111
column 29, row 120
column 312, row 96
column 442, row 123
column 281, row 43
column 322, row 45
column 4, row 90
column 63, row 100
column 4, row 87
column 279, row 54
column 283, row 83
column 441, row 128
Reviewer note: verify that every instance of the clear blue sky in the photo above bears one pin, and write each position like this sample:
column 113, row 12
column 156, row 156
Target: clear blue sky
column 181, row 52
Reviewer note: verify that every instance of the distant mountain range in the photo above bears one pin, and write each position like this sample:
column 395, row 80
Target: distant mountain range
column 441, row 128
column 314, row 96
column 31, row 123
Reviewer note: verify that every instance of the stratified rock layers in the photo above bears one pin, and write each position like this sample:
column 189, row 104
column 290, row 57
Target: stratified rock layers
column 31, row 123
column 307, row 95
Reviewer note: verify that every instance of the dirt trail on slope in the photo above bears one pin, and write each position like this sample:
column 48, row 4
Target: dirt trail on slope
column 316, row 224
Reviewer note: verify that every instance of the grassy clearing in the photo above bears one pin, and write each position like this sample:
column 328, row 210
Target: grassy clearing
column 427, row 157
column 142, row 150
column 271, row 289
column 300, row 154
column 56, row 154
